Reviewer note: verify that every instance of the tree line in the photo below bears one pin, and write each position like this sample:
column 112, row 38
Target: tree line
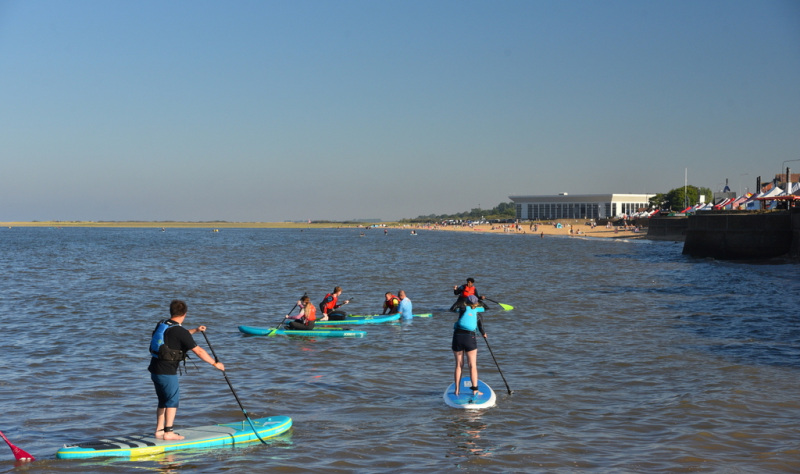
column 504, row 210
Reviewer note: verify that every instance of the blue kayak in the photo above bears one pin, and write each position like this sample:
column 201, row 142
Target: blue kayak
column 327, row 332
column 236, row 433
column 368, row 319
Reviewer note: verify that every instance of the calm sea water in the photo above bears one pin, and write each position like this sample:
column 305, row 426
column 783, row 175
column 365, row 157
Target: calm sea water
column 623, row 356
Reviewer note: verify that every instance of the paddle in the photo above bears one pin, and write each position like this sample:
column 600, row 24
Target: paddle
column 495, row 360
column 506, row 307
column 272, row 333
column 234, row 391
column 19, row 454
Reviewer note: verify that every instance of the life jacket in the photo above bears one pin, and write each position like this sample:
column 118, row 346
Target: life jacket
column 311, row 316
column 392, row 303
column 470, row 323
column 467, row 291
column 329, row 303
column 158, row 348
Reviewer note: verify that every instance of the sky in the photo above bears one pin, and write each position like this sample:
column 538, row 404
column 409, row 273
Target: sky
column 333, row 110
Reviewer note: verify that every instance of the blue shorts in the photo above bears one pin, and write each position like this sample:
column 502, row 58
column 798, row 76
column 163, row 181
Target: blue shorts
column 167, row 389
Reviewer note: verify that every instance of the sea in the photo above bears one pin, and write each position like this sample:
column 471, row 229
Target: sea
column 618, row 355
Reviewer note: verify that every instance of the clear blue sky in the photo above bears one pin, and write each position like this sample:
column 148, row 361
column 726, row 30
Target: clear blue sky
column 288, row 110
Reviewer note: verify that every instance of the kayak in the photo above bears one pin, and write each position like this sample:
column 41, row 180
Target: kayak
column 201, row 437
column 368, row 319
column 465, row 399
column 327, row 332
column 361, row 319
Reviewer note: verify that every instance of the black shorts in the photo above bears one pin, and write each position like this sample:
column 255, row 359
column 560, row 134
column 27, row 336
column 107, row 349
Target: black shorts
column 464, row 341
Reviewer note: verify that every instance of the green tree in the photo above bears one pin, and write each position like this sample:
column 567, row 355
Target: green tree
column 658, row 201
column 680, row 198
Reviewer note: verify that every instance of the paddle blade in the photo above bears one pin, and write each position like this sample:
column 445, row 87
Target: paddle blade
column 506, row 307
column 19, row 454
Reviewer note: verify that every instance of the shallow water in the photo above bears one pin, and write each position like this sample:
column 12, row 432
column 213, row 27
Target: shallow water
column 622, row 355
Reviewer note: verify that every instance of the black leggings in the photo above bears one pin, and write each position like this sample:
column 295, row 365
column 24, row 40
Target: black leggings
column 300, row 326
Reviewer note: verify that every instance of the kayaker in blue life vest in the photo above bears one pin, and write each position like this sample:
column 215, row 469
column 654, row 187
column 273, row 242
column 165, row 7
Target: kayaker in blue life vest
column 168, row 347
column 465, row 342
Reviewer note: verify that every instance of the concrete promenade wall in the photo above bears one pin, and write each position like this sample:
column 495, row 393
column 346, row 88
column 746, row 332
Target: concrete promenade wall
column 794, row 252
column 668, row 228
column 740, row 234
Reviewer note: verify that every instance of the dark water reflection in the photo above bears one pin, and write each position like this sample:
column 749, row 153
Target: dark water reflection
column 622, row 356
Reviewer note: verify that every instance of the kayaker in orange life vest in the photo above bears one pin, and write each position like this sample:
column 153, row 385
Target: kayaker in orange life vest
column 329, row 306
column 307, row 317
column 391, row 304
column 463, row 292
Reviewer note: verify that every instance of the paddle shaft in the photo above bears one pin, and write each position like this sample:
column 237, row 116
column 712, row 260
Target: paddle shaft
column 495, row 362
column 216, row 359
column 19, row 454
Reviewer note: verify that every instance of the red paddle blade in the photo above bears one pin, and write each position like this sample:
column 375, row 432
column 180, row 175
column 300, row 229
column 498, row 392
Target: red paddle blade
column 19, row 454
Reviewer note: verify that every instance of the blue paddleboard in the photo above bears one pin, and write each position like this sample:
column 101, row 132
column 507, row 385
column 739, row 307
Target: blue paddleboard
column 367, row 319
column 325, row 332
column 465, row 399
column 201, row 437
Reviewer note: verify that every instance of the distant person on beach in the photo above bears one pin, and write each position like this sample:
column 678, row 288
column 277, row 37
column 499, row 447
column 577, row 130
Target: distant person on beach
column 306, row 318
column 463, row 292
column 465, row 342
column 391, row 304
column 406, row 310
column 169, row 344
column 330, row 305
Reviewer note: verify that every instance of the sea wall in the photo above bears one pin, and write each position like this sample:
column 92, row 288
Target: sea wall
column 739, row 234
column 668, row 228
column 794, row 252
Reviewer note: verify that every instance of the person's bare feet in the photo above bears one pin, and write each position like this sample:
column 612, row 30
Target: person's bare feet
column 159, row 434
column 171, row 436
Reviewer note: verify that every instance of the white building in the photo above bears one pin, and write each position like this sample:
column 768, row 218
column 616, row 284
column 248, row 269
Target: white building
column 579, row 206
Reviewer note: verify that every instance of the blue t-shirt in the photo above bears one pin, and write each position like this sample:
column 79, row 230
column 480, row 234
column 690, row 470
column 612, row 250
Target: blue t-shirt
column 405, row 309
column 469, row 320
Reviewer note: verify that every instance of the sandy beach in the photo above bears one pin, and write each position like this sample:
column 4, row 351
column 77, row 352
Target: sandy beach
column 569, row 227
column 575, row 228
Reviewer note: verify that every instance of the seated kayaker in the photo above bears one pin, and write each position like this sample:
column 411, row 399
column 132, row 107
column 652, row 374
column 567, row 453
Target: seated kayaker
column 306, row 318
column 464, row 292
column 330, row 306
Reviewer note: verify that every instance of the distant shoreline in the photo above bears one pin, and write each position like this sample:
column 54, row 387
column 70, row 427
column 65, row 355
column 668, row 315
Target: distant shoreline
column 578, row 227
column 179, row 224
